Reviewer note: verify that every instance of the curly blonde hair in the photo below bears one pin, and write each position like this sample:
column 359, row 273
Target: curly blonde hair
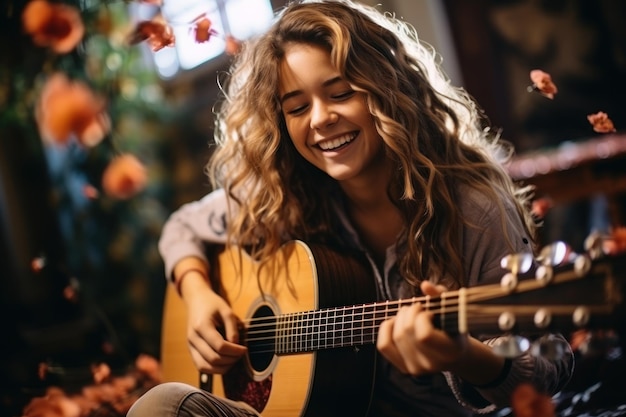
column 432, row 130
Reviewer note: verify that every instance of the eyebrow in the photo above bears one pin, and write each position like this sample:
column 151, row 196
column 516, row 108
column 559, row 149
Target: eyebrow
column 293, row 93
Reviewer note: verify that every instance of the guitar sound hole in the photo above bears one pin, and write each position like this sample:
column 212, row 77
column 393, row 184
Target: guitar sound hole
column 261, row 338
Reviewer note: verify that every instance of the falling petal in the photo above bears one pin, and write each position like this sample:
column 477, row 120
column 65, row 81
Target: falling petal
column 157, row 33
column 540, row 207
column 90, row 192
column 601, row 122
column 38, row 263
column 542, row 82
column 203, row 30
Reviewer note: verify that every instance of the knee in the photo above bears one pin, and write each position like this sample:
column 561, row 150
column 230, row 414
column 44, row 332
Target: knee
column 161, row 400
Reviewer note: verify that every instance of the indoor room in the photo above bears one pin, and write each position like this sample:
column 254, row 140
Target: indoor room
column 122, row 120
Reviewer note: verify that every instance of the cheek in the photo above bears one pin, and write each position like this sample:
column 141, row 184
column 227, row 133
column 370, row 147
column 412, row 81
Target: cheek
column 297, row 132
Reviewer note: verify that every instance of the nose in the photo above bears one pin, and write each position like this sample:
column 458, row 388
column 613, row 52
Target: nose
column 322, row 115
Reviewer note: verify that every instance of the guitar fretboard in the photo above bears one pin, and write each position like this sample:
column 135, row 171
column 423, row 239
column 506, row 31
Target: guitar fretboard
column 332, row 327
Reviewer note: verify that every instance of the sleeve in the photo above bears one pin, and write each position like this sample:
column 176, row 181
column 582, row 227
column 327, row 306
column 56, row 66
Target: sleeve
column 190, row 228
column 484, row 248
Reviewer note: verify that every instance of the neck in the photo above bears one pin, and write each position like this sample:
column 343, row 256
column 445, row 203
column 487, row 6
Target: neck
column 368, row 193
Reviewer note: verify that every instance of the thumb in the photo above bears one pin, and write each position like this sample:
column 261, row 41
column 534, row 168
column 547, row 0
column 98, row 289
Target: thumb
column 428, row 288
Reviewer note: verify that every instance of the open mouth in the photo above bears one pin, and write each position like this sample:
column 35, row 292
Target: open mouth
column 334, row 144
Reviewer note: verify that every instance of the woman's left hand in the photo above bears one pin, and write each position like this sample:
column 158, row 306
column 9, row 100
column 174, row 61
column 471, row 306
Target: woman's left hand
column 412, row 343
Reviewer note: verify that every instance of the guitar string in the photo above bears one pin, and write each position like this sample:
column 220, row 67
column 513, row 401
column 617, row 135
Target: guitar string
column 342, row 332
column 342, row 337
column 337, row 334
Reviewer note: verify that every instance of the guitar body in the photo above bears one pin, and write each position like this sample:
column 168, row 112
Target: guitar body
column 330, row 382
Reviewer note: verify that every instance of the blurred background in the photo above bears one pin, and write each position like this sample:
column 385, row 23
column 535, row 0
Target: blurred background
column 80, row 277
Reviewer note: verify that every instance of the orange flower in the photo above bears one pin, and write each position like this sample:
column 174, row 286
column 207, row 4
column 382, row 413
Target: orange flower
column 58, row 26
column 527, row 402
column 601, row 122
column 68, row 108
column 54, row 404
column 158, row 34
column 124, row 177
column 233, row 45
column 542, row 82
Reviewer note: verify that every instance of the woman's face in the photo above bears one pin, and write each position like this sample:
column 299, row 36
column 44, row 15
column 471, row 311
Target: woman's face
column 329, row 123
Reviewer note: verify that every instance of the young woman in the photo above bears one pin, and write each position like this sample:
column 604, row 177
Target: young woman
column 338, row 127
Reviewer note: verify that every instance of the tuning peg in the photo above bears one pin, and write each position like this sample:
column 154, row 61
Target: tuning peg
column 511, row 346
column 517, row 263
column 556, row 253
column 550, row 347
column 593, row 245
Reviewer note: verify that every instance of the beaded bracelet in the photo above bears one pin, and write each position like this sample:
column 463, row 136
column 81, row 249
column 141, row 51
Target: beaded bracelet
column 179, row 281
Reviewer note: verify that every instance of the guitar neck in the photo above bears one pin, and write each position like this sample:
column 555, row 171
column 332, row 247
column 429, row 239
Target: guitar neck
column 571, row 299
column 346, row 326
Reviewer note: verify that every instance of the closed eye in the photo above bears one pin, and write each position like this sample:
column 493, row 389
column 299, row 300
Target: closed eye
column 296, row 110
column 344, row 95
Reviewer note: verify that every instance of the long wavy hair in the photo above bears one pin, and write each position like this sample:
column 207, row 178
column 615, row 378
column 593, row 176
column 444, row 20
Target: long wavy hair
column 432, row 130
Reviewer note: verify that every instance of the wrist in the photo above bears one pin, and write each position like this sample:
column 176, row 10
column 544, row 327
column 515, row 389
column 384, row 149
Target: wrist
column 480, row 366
column 188, row 278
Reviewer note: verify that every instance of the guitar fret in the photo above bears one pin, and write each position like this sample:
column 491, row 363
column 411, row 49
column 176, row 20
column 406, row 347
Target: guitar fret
column 356, row 322
column 315, row 342
column 291, row 337
column 332, row 328
column 279, row 334
column 337, row 328
column 298, row 331
column 306, row 332
column 294, row 338
column 302, row 332
column 341, row 331
column 343, row 326
column 300, row 337
column 368, row 323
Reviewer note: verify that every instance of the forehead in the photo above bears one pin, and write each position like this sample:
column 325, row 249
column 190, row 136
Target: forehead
column 304, row 66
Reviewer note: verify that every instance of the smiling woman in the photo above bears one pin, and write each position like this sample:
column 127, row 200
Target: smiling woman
column 337, row 129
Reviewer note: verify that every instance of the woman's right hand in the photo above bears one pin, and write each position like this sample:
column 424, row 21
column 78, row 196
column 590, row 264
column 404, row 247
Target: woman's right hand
column 212, row 327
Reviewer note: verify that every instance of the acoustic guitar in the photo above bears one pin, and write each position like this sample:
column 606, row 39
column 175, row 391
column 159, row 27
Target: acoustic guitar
column 310, row 321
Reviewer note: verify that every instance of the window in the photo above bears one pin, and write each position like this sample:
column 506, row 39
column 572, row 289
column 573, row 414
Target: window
column 239, row 18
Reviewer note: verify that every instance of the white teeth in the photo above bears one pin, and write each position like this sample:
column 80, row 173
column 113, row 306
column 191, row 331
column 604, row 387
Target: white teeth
column 337, row 142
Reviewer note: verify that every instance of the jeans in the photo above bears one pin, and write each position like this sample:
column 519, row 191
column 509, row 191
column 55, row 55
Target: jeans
column 172, row 399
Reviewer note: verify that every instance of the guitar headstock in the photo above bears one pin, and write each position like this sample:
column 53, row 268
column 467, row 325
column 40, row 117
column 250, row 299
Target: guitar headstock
column 559, row 291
